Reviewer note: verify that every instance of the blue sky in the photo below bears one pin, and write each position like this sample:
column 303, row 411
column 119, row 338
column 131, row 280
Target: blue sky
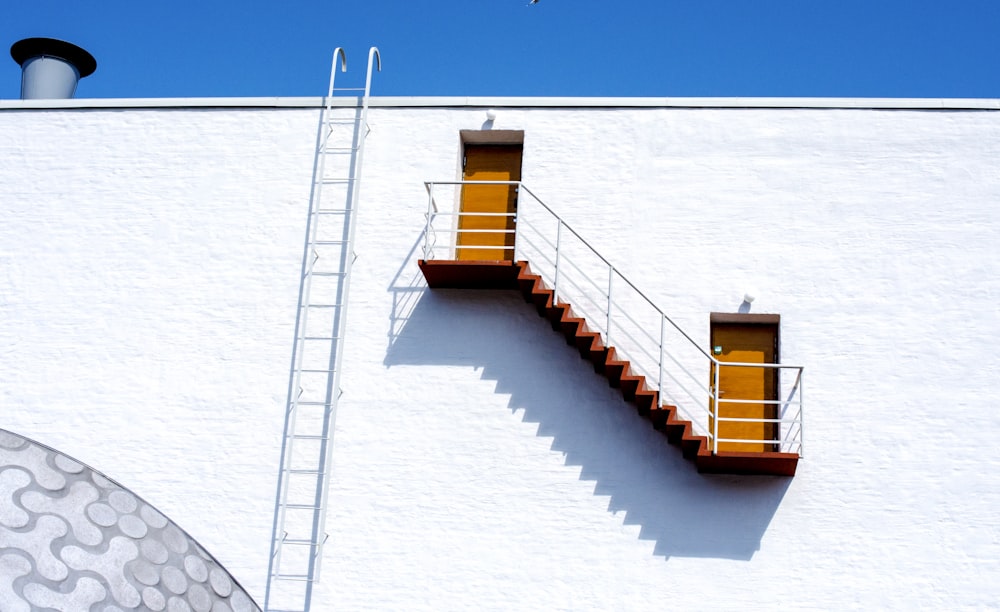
column 843, row 48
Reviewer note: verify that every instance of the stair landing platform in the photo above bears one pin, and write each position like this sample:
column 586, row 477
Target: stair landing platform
column 469, row 274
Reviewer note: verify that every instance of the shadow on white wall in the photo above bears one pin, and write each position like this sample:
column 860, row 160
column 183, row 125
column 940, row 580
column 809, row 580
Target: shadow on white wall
column 685, row 513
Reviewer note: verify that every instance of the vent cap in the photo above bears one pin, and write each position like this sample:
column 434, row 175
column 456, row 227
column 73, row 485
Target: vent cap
column 51, row 68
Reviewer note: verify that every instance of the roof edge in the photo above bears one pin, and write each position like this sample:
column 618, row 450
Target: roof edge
column 512, row 102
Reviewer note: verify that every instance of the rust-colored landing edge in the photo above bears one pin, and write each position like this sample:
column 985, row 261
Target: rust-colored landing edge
column 723, row 462
column 453, row 274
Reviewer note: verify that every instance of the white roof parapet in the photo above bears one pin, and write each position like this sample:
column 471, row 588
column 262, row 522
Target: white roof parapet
column 512, row 102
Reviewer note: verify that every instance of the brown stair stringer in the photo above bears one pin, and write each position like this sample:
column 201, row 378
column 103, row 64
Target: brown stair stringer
column 664, row 417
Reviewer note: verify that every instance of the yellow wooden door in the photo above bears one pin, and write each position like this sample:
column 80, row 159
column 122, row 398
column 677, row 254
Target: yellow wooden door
column 495, row 204
column 745, row 343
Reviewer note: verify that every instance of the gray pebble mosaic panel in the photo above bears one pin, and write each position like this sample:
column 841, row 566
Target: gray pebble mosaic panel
column 71, row 539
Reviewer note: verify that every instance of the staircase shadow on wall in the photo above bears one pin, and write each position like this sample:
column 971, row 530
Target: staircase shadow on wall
column 685, row 513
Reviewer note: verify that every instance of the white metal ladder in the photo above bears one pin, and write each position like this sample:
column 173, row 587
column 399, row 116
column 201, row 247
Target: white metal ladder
column 303, row 481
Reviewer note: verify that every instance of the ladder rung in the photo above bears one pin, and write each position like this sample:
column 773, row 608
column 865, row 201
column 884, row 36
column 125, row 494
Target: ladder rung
column 299, row 471
column 331, row 181
column 326, row 273
column 331, row 211
column 309, row 437
column 320, row 337
column 301, row 507
column 314, row 404
column 339, row 149
column 314, row 371
column 296, row 577
column 328, row 242
column 300, row 542
column 321, row 305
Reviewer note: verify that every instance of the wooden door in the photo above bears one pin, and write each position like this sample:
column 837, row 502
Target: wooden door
column 746, row 343
column 488, row 163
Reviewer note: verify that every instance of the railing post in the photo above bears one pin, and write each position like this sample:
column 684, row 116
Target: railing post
column 611, row 276
column 427, row 228
column 802, row 429
column 715, row 408
column 663, row 330
column 555, row 283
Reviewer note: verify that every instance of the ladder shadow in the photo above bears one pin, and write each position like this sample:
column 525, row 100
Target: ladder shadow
column 685, row 513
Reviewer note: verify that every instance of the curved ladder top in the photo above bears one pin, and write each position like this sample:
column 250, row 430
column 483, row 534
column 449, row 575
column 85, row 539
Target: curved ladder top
column 372, row 54
column 339, row 51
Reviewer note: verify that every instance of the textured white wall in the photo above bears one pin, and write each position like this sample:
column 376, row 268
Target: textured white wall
column 150, row 264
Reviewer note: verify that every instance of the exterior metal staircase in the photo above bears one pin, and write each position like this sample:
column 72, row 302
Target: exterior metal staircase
column 302, row 496
column 654, row 372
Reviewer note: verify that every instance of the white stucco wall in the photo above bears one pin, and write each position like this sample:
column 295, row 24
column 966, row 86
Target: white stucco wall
column 150, row 262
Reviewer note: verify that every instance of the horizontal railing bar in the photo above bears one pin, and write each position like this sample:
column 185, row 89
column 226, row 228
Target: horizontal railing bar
column 723, row 400
column 472, row 182
column 752, row 420
column 744, row 364
column 783, row 448
column 476, row 214
column 463, row 230
column 484, row 247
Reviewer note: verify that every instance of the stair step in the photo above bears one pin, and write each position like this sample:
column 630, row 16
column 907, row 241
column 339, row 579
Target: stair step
column 645, row 401
column 630, row 385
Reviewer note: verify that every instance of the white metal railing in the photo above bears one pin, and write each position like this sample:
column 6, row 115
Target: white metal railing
column 673, row 363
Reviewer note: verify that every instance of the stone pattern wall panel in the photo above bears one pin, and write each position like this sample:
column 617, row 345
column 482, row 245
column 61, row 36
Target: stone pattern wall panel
column 72, row 539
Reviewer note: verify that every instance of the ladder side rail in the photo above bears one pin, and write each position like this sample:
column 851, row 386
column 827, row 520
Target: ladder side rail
column 305, row 286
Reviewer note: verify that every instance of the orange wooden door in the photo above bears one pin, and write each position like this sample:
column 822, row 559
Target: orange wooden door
column 498, row 202
column 745, row 343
